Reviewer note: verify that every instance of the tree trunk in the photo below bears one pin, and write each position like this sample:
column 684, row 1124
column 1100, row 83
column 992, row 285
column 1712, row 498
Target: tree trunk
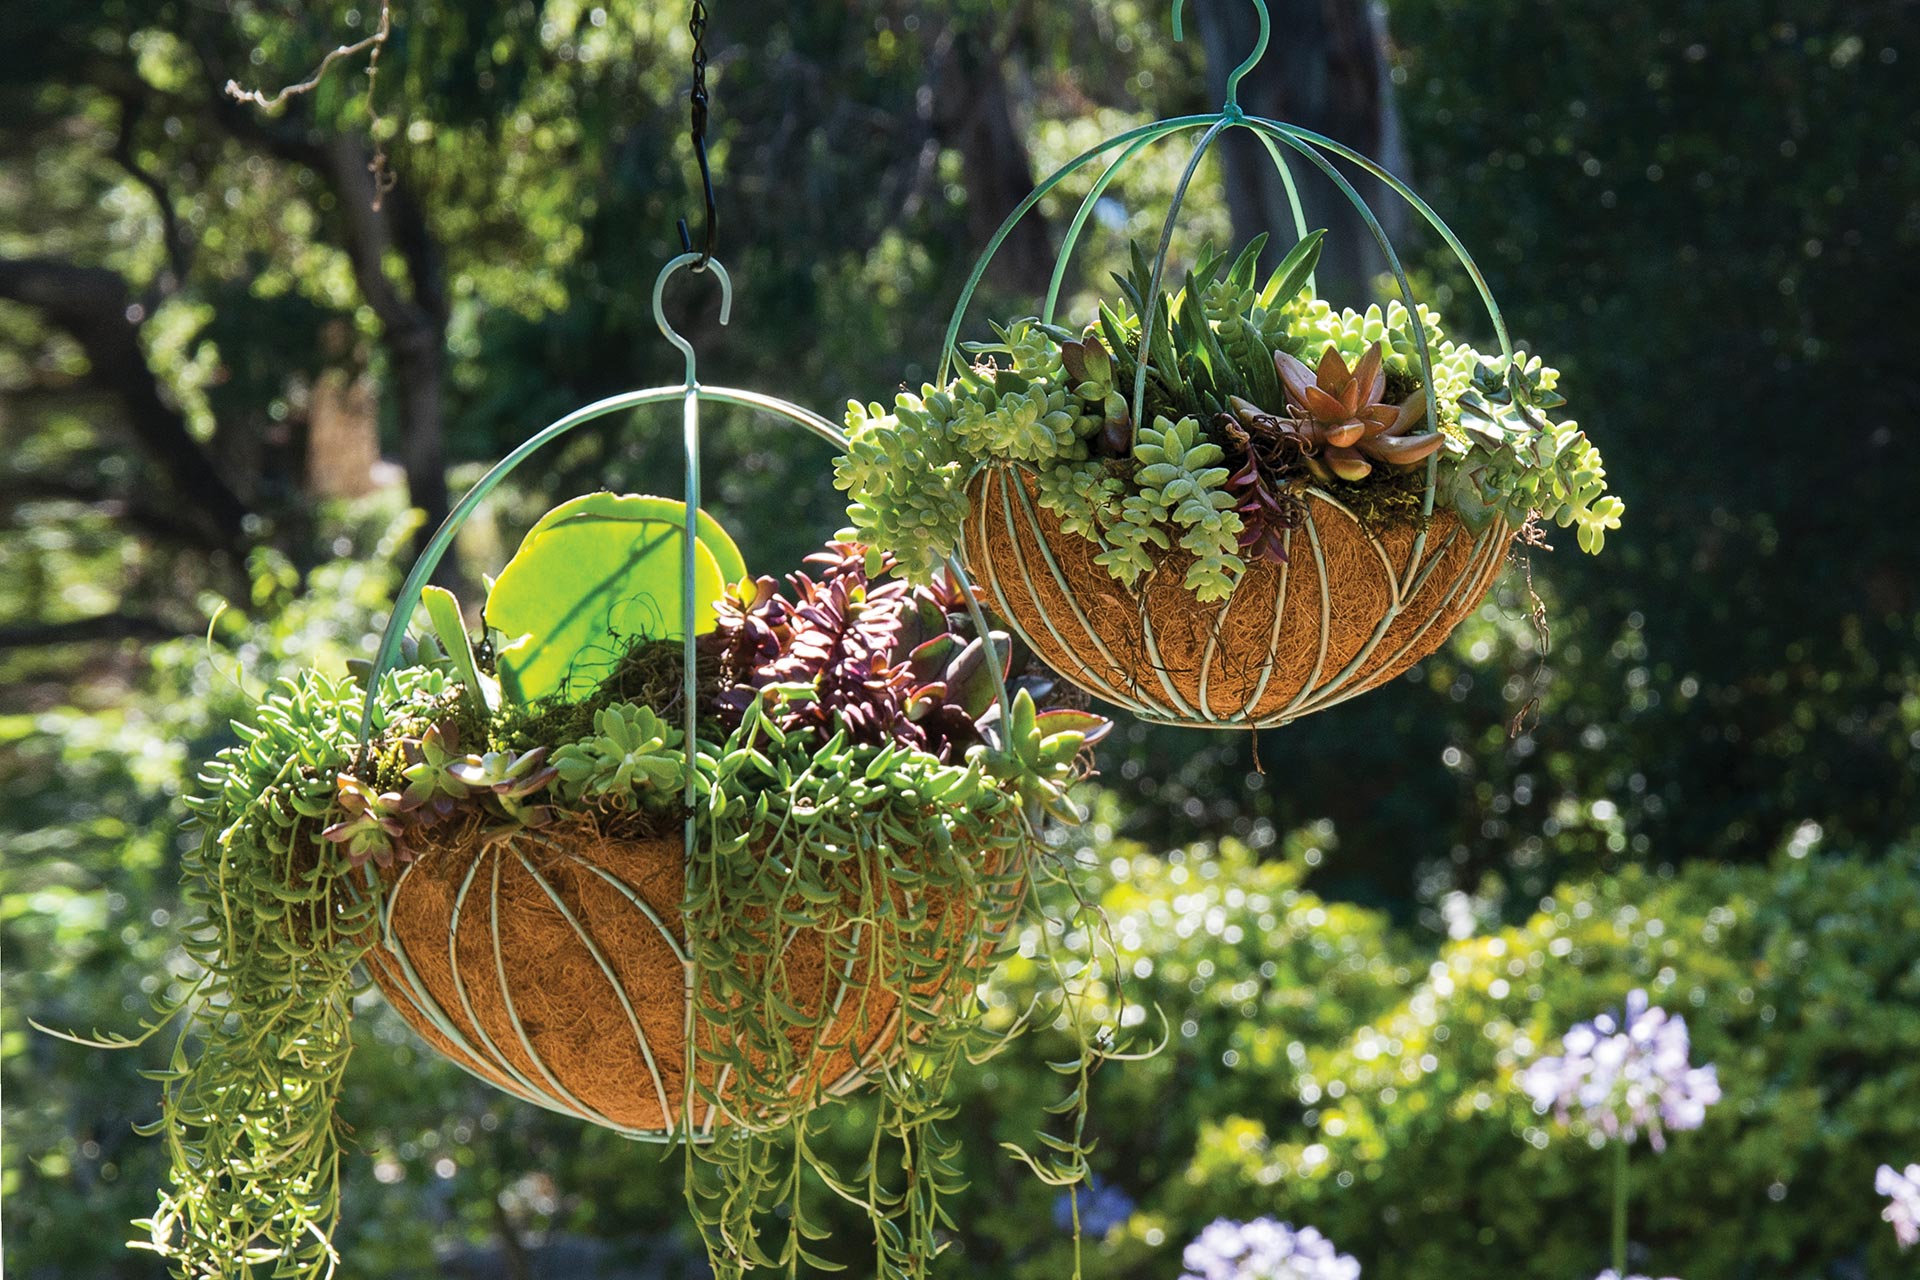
column 973, row 114
column 413, row 328
column 1325, row 70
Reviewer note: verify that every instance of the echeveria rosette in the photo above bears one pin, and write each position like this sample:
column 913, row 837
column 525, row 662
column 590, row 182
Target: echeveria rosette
column 633, row 760
column 1902, row 1189
column 1621, row 1075
column 1264, row 1249
column 437, row 786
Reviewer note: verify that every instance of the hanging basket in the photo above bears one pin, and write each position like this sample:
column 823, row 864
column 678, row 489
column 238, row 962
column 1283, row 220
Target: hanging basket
column 694, row 934
column 561, row 961
column 1225, row 504
column 1354, row 602
column 1349, row 608
column 556, row 969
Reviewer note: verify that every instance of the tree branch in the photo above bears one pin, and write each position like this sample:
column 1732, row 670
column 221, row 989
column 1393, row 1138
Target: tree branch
column 173, row 235
column 94, row 305
column 94, row 630
column 413, row 328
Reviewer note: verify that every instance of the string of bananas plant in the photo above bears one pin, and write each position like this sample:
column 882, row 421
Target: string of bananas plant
column 868, row 783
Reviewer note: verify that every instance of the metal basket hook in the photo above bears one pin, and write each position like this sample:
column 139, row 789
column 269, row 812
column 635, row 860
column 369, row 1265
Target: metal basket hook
column 698, row 262
column 1247, row 64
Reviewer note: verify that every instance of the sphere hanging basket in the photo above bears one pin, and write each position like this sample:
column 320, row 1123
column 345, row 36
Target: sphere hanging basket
column 1347, row 610
column 1223, row 503
column 562, row 961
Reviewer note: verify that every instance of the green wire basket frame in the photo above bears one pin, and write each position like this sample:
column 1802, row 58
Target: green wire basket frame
column 547, row 1091
column 1278, row 138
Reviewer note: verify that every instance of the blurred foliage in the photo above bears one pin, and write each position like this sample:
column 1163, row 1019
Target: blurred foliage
column 1378, row 1103
column 1706, row 212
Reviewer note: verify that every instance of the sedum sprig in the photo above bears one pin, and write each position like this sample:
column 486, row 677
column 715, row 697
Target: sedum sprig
column 1182, row 485
column 1516, row 462
column 633, row 760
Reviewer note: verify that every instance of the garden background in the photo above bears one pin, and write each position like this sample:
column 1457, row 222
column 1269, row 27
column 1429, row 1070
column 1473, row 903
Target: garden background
column 228, row 378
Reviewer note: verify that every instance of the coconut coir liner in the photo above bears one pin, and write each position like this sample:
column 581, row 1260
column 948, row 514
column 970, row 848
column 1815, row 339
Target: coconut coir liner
column 1163, row 647
column 576, row 1048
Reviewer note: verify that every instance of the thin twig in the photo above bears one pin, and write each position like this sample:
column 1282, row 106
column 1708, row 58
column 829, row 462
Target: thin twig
column 383, row 176
column 374, row 42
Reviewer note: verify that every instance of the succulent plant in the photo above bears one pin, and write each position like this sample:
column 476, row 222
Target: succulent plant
column 1339, row 420
column 1181, row 484
column 374, row 826
column 506, row 781
column 1518, row 462
column 882, row 662
column 428, row 766
column 834, row 633
column 441, row 786
column 1106, row 421
column 1262, row 498
column 632, row 760
column 1227, row 356
column 1037, row 754
column 1310, row 324
column 1085, row 497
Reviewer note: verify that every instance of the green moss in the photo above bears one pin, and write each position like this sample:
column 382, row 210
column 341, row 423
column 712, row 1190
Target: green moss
column 1386, row 498
column 647, row 674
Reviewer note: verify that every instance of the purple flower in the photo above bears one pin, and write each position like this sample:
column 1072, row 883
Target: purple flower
column 1611, row 1274
column 1903, row 1210
column 1264, row 1250
column 1103, row 1207
column 1625, row 1078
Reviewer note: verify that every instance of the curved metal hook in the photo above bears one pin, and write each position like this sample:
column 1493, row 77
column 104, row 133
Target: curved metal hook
column 659, row 292
column 1246, row 64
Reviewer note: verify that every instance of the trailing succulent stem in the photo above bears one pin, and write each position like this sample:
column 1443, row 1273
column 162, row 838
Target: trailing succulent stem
column 247, row 1097
column 869, row 775
column 1261, row 383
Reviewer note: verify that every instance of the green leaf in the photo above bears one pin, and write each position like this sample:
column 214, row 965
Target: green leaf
column 1291, row 275
column 593, row 574
column 443, row 610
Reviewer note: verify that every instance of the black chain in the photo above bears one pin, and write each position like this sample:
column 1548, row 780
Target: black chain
column 697, row 28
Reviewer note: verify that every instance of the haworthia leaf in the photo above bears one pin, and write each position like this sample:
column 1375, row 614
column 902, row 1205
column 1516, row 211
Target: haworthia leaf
column 443, row 610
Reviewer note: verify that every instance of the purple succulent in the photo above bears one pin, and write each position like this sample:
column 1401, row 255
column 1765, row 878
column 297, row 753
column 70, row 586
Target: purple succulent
column 890, row 663
column 1903, row 1207
column 1103, row 1207
column 1624, row 1074
column 835, row 632
column 1264, row 1249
